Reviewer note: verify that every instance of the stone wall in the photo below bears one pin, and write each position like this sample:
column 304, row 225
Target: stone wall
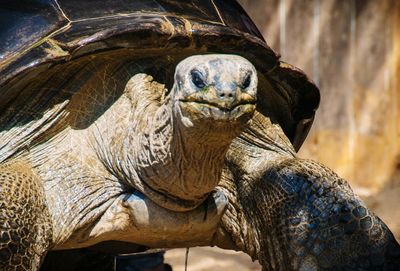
column 351, row 49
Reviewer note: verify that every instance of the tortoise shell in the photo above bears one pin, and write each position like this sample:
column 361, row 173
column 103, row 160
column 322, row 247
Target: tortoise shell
column 50, row 48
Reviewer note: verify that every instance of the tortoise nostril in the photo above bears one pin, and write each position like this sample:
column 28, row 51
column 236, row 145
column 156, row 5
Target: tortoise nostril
column 226, row 94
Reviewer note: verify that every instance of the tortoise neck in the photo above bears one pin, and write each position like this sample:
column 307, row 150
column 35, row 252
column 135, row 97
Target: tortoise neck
column 186, row 164
column 152, row 152
column 198, row 164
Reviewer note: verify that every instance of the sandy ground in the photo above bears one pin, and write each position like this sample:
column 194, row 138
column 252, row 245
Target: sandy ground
column 385, row 204
column 210, row 259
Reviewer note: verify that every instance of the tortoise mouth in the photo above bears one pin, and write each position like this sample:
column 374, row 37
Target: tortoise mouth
column 223, row 106
column 238, row 111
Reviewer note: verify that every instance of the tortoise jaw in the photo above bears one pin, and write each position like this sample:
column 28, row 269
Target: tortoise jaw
column 223, row 106
column 219, row 111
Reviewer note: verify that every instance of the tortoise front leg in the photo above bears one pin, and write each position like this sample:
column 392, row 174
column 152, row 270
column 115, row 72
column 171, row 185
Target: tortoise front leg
column 25, row 224
column 299, row 215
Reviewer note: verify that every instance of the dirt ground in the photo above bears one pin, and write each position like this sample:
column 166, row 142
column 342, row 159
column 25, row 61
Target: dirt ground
column 385, row 205
column 210, row 259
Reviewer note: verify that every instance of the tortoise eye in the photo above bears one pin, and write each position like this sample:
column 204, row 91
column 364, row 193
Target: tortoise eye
column 197, row 79
column 247, row 81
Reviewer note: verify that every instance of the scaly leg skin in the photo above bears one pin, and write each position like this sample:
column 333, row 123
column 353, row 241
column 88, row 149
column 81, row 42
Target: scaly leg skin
column 301, row 216
column 25, row 225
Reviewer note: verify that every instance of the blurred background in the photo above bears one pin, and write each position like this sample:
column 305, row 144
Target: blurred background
column 351, row 50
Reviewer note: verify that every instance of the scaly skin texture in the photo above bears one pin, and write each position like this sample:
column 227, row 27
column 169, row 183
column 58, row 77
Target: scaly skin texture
column 25, row 230
column 294, row 214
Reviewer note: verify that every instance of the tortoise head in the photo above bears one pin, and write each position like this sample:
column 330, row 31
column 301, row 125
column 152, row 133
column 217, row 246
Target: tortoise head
column 215, row 90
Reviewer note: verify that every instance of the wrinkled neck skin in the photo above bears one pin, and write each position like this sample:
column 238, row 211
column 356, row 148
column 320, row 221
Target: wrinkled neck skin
column 174, row 163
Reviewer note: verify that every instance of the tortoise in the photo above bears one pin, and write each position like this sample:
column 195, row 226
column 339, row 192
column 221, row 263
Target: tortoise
column 130, row 125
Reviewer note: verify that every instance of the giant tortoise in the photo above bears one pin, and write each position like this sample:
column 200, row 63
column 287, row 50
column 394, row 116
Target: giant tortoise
column 130, row 125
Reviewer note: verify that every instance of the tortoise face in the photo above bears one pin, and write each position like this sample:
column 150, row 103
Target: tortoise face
column 220, row 88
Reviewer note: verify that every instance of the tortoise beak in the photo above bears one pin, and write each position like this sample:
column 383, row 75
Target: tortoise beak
column 220, row 105
column 224, row 99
